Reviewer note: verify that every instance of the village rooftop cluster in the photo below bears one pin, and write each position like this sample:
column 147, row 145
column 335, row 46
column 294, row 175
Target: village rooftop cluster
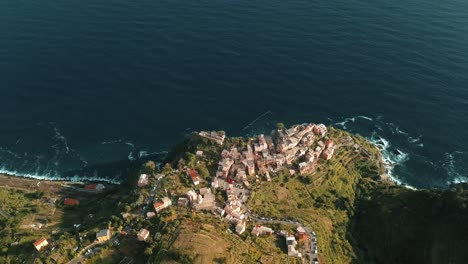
column 297, row 148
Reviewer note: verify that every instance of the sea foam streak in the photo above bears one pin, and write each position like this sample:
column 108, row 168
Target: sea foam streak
column 450, row 166
column 55, row 177
column 390, row 159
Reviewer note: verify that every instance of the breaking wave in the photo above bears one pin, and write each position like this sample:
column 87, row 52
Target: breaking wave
column 352, row 120
column 405, row 155
column 56, row 159
column 450, row 165
column 56, row 177
column 377, row 131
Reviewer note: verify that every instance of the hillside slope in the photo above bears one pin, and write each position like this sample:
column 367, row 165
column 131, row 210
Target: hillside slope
column 397, row 225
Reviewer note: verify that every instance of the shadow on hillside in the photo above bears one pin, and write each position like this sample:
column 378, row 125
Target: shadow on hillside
column 426, row 226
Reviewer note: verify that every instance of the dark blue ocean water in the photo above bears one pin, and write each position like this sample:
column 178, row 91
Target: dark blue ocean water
column 90, row 82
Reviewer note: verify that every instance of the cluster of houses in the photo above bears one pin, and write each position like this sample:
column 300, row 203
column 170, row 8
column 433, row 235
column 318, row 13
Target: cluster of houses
column 281, row 149
column 204, row 200
column 216, row 136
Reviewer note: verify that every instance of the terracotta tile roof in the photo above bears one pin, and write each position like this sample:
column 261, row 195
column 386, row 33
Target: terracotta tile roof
column 71, row 202
column 193, row 174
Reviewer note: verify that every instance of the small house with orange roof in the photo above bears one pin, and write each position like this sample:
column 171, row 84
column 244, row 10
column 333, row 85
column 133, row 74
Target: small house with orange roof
column 193, row 174
column 71, row 202
column 164, row 203
column 40, row 244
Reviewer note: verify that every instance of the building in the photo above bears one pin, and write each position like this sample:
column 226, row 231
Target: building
column 261, row 230
column 71, row 202
column 306, row 167
column 143, row 180
column 291, row 243
column 329, row 143
column 103, row 235
column 182, row 201
column 193, row 174
column 96, row 187
column 143, row 234
column 216, row 136
column 206, row 200
column 164, row 203
column 40, row 244
column 240, row 227
column 301, row 234
column 320, row 130
column 192, row 196
column 150, row 215
column 328, row 153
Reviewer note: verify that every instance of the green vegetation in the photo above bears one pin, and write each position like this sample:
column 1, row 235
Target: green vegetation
column 323, row 200
column 358, row 218
column 280, row 126
column 397, row 225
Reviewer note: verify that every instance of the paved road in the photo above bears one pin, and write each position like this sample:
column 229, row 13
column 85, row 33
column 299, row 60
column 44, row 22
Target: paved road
column 152, row 194
column 80, row 255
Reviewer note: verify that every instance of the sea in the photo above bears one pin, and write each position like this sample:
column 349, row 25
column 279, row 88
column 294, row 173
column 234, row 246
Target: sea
column 86, row 85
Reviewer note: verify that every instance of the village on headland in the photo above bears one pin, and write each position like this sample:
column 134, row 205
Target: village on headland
column 213, row 184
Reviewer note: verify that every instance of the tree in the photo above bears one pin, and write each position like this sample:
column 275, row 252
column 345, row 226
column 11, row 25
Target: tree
column 149, row 251
column 149, row 167
column 167, row 168
column 203, row 171
column 181, row 164
column 280, row 126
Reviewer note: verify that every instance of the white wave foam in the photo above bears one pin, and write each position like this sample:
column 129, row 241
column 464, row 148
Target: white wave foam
column 130, row 156
column 450, row 167
column 130, row 144
column 399, row 131
column 389, row 158
column 9, row 152
column 56, row 177
column 414, row 140
column 61, row 139
column 352, row 119
column 365, row 117
column 111, row 142
column 144, row 153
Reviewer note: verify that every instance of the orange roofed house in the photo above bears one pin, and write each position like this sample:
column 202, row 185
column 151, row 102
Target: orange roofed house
column 98, row 187
column 71, row 202
column 41, row 244
column 301, row 234
column 193, row 174
column 329, row 143
column 159, row 206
